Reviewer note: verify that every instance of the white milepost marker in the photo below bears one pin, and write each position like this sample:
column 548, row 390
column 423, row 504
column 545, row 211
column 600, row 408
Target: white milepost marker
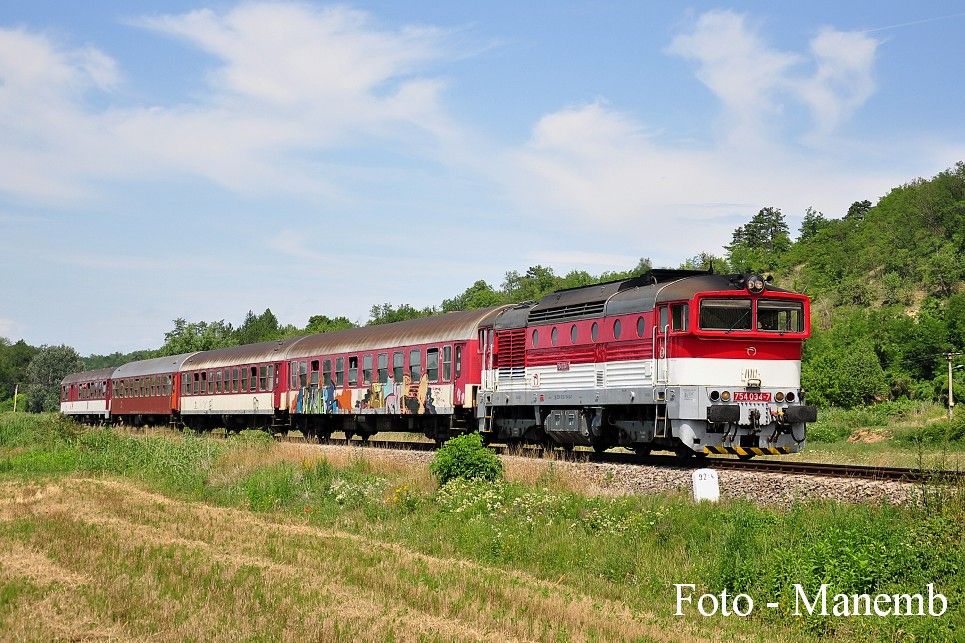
column 706, row 485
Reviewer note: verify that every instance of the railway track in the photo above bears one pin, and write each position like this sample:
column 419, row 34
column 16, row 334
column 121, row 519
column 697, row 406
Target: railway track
column 824, row 469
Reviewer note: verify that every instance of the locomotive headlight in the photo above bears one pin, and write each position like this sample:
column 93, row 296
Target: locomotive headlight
column 755, row 283
column 725, row 396
column 789, row 397
column 714, row 396
column 779, row 397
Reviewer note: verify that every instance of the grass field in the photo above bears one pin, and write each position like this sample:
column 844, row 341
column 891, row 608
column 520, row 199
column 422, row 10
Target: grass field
column 170, row 537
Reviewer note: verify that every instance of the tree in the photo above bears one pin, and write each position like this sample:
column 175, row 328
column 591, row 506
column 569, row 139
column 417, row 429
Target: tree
column 14, row 359
column 386, row 313
column 197, row 336
column 478, row 295
column 45, row 372
column 758, row 244
column 326, row 324
column 812, row 223
column 705, row 261
column 258, row 328
column 538, row 282
column 858, row 210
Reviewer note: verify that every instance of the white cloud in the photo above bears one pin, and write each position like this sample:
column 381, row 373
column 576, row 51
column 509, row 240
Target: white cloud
column 607, row 172
column 288, row 82
column 6, row 327
column 756, row 83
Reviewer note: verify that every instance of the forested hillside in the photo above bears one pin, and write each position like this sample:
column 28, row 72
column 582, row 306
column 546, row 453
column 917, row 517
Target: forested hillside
column 887, row 282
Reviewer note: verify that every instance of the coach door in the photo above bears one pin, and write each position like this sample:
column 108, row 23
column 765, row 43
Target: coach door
column 281, row 375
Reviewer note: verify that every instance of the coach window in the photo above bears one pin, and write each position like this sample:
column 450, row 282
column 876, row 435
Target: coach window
column 167, row 384
column 458, row 360
column 353, row 370
column 339, row 371
column 303, row 374
column 263, row 378
column 270, row 386
column 314, row 376
column 327, row 372
column 366, row 369
column 227, row 380
column 217, row 382
column 574, row 334
column 679, row 315
column 432, row 364
column 617, row 328
column 293, row 375
column 234, row 380
column 595, row 331
column 383, row 371
column 641, row 326
column 446, row 363
column 398, row 366
column 204, row 382
column 415, row 365
column 253, row 386
column 535, row 338
column 197, row 383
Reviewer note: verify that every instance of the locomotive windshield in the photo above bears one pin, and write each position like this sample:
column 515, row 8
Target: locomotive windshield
column 725, row 314
column 780, row 316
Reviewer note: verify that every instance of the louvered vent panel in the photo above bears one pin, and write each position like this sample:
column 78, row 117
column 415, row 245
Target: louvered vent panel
column 511, row 353
column 567, row 313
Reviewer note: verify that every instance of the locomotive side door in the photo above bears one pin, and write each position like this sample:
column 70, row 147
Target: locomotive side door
column 661, row 330
column 281, row 379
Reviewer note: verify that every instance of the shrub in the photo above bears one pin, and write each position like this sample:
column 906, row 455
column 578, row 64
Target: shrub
column 465, row 457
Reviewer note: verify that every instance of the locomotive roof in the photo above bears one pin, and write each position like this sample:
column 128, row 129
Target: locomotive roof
column 247, row 354
column 644, row 298
column 454, row 326
column 89, row 376
column 585, row 302
column 155, row 366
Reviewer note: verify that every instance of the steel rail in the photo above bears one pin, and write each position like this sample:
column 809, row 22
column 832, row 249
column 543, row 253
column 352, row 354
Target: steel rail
column 787, row 467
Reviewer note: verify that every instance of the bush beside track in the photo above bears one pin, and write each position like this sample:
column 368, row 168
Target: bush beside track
column 627, row 550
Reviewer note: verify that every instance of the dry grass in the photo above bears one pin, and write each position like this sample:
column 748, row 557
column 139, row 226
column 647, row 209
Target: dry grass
column 107, row 559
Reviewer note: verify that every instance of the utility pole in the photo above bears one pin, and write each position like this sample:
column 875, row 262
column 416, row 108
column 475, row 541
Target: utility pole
column 16, row 390
column 951, row 394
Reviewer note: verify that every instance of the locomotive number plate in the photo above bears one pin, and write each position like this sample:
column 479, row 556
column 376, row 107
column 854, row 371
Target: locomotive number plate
column 562, row 366
column 751, row 396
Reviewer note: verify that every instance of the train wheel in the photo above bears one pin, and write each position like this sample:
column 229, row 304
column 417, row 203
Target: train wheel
column 642, row 450
column 349, row 435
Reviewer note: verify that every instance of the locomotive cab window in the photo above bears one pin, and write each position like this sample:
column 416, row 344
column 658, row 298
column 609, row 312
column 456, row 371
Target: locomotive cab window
column 725, row 314
column 780, row 316
column 678, row 316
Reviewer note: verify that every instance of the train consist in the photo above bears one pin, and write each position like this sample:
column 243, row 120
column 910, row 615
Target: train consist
column 680, row 360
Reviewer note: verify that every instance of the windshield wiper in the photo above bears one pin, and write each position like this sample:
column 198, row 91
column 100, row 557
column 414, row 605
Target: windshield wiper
column 739, row 320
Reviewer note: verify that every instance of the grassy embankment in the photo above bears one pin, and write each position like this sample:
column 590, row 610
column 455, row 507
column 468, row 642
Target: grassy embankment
column 903, row 433
column 172, row 537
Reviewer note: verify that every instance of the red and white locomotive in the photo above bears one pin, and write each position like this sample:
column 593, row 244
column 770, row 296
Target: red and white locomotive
column 683, row 360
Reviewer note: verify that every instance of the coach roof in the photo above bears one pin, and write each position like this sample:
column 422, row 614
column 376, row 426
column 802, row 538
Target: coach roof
column 248, row 354
column 156, row 366
column 89, row 376
column 455, row 326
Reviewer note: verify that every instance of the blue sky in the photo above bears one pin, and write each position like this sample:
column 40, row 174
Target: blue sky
column 197, row 160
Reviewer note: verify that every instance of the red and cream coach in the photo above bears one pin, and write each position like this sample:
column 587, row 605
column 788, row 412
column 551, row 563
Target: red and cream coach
column 87, row 395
